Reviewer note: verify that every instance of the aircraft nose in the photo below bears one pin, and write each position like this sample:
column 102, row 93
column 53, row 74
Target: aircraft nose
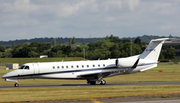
column 13, row 73
column 4, row 76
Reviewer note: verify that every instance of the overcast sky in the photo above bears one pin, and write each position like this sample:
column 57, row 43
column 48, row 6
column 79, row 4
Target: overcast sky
column 26, row 19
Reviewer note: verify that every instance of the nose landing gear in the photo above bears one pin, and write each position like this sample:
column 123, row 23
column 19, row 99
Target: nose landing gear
column 16, row 84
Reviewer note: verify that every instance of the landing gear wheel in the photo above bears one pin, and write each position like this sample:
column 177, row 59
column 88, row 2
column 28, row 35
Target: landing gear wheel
column 16, row 85
column 92, row 82
column 103, row 82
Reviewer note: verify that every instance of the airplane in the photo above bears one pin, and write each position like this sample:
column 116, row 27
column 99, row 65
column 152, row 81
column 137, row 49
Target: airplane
column 92, row 70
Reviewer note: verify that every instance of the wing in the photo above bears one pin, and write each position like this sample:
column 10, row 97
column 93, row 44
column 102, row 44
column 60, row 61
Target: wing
column 105, row 73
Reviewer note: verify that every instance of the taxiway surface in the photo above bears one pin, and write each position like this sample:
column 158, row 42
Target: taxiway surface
column 86, row 85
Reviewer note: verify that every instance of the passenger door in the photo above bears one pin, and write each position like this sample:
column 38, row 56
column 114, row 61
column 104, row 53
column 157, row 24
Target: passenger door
column 36, row 68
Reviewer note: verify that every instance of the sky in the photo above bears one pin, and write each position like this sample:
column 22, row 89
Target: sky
column 27, row 19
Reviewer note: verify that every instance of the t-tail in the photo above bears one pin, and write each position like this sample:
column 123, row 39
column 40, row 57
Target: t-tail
column 147, row 60
column 153, row 50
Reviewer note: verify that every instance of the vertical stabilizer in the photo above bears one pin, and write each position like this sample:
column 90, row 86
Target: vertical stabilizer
column 153, row 50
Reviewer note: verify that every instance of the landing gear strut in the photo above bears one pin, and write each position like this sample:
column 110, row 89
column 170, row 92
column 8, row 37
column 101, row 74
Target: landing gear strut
column 100, row 79
column 16, row 84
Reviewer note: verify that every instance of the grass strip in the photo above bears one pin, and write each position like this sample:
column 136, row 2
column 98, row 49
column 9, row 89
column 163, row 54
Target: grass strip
column 83, row 93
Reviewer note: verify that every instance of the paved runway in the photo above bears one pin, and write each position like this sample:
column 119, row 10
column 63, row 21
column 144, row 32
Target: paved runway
column 86, row 85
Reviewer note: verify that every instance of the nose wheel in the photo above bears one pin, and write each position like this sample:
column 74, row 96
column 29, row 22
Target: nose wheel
column 16, row 84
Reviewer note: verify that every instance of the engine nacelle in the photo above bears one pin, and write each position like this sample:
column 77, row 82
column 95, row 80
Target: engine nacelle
column 128, row 62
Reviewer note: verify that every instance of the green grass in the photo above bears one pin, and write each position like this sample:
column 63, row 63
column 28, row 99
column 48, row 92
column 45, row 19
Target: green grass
column 83, row 93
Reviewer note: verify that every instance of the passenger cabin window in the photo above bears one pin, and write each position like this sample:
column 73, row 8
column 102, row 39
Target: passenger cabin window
column 53, row 67
column 93, row 65
column 22, row 67
column 104, row 65
column 58, row 67
column 62, row 67
column 77, row 66
column 27, row 67
column 98, row 65
column 71, row 66
column 66, row 66
column 82, row 66
column 88, row 66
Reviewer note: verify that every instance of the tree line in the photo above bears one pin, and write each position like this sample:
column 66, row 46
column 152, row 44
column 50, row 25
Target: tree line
column 8, row 44
column 111, row 47
column 47, row 40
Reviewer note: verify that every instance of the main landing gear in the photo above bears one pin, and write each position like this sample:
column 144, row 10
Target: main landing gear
column 102, row 82
column 91, row 82
column 16, row 84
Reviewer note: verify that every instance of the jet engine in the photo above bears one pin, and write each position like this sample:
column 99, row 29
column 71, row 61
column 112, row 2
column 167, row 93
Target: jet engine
column 128, row 62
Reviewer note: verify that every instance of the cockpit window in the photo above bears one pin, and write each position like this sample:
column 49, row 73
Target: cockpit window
column 22, row 67
column 27, row 67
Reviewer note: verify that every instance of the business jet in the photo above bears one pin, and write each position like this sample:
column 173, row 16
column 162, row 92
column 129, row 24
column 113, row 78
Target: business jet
column 93, row 71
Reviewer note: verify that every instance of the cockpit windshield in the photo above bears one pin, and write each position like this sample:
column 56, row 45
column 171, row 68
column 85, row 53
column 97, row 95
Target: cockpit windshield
column 27, row 67
column 22, row 67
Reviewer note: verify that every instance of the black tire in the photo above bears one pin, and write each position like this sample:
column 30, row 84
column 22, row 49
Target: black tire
column 92, row 83
column 103, row 82
column 16, row 85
